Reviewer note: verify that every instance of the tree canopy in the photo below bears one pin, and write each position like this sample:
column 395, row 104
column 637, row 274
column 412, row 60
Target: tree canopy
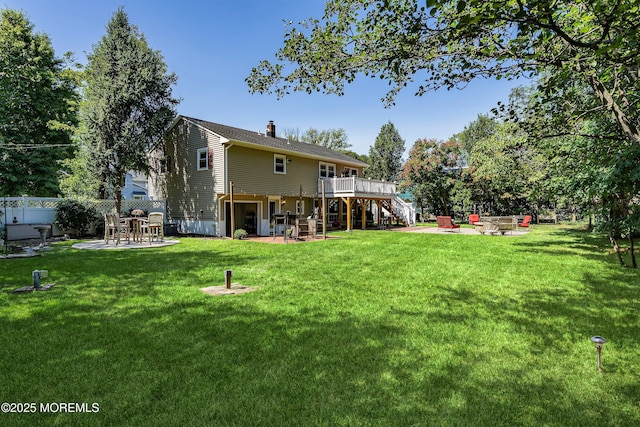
column 38, row 105
column 334, row 139
column 447, row 43
column 128, row 104
column 431, row 173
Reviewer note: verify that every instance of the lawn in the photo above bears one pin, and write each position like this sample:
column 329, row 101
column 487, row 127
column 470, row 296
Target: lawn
column 375, row 328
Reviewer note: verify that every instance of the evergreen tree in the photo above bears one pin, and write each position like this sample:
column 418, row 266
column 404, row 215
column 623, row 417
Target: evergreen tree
column 38, row 103
column 386, row 154
column 128, row 104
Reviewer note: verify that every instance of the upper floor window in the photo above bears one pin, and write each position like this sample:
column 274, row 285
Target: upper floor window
column 279, row 163
column 203, row 159
column 347, row 172
column 163, row 165
column 327, row 170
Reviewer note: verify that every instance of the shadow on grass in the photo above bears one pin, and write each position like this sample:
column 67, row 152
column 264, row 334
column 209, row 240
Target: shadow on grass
column 225, row 361
column 142, row 341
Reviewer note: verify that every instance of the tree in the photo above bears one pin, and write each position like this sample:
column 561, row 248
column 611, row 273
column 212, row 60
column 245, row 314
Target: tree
column 334, row 139
column 603, row 177
column 483, row 127
column 128, row 105
column 38, row 106
column 454, row 41
column 431, row 173
column 293, row 134
column 506, row 168
column 77, row 180
column 385, row 155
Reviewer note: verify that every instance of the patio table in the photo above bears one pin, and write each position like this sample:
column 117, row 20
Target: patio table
column 134, row 224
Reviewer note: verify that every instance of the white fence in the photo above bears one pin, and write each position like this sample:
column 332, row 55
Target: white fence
column 41, row 210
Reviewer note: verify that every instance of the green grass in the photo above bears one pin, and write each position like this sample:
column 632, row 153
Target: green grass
column 376, row 328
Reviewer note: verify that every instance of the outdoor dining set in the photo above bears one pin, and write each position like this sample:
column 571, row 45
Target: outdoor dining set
column 488, row 224
column 135, row 228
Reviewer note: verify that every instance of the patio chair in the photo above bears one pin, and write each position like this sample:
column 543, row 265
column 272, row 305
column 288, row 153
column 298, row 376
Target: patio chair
column 473, row 218
column 114, row 228
column 447, row 223
column 153, row 227
column 489, row 228
column 525, row 222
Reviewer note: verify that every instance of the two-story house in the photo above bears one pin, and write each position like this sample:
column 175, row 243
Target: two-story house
column 135, row 186
column 208, row 172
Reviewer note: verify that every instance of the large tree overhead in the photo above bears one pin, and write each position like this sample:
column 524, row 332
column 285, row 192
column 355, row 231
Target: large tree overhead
column 128, row 104
column 38, row 103
column 447, row 43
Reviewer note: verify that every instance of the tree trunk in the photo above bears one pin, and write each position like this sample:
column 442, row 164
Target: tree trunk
column 616, row 249
column 118, row 199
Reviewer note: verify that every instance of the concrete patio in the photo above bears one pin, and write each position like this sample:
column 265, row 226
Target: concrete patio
column 461, row 230
column 100, row 244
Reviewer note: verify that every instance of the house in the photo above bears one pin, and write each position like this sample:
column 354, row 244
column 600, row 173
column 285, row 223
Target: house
column 135, row 186
column 208, row 172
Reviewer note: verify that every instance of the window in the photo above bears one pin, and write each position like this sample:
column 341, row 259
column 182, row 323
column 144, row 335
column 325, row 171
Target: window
column 327, row 170
column 299, row 207
column 203, row 159
column 163, row 165
column 347, row 172
column 279, row 164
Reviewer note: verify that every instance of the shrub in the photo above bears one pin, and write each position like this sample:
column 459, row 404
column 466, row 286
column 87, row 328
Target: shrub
column 72, row 215
column 240, row 234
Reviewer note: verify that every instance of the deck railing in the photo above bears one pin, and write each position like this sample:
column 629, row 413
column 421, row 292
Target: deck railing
column 355, row 185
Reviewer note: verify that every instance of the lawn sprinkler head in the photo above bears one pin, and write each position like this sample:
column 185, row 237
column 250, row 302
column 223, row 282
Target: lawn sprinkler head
column 599, row 342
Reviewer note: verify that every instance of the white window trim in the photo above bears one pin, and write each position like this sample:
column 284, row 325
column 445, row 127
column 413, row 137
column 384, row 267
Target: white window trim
column 299, row 207
column 328, row 165
column 284, row 164
column 206, row 159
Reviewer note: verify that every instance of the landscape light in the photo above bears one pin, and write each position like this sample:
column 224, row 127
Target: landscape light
column 599, row 343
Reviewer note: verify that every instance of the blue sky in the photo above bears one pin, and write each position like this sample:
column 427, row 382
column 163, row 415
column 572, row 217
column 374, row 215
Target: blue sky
column 212, row 46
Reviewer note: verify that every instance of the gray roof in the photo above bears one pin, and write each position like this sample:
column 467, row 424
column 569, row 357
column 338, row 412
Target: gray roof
column 275, row 143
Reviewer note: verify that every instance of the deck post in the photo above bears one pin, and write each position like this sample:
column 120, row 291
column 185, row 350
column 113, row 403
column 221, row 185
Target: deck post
column 348, row 213
column 324, row 213
column 233, row 225
column 364, row 214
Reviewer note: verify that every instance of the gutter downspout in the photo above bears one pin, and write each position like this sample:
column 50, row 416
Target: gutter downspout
column 226, row 194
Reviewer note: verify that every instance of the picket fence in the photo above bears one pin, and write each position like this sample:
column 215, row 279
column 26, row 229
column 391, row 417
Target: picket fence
column 25, row 210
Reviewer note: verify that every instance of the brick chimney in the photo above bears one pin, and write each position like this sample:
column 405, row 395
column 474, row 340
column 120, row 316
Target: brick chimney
column 271, row 129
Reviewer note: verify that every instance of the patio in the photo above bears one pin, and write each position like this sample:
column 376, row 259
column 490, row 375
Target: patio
column 461, row 230
column 100, row 244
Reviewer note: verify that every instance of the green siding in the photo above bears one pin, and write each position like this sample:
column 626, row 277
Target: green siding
column 190, row 191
